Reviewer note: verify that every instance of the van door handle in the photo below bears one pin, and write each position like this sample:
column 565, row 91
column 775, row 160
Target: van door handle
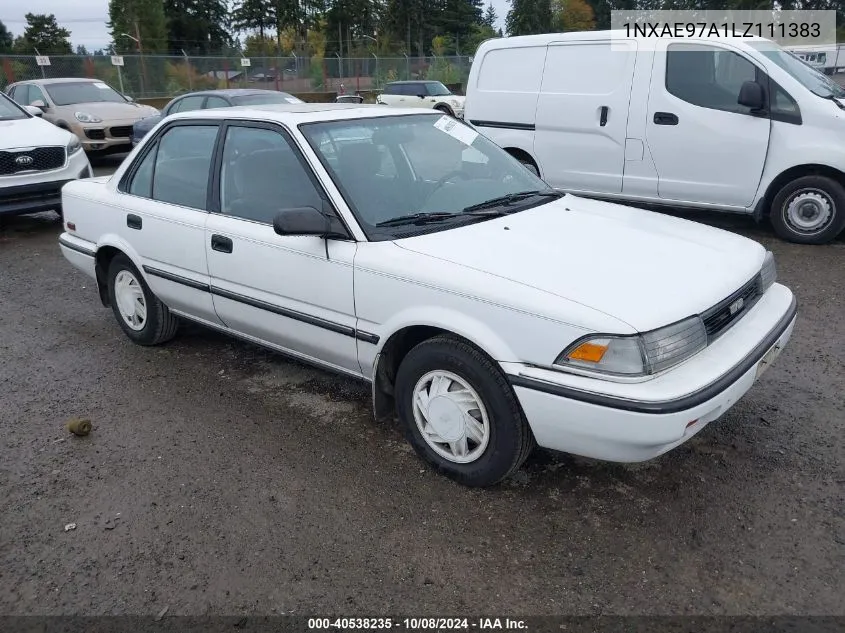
column 665, row 118
column 221, row 244
column 603, row 116
column 134, row 221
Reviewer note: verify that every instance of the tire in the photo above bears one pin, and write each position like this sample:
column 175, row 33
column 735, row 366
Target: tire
column 809, row 210
column 488, row 456
column 158, row 325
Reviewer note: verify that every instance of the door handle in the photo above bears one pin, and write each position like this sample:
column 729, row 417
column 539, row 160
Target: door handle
column 221, row 244
column 665, row 118
column 134, row 221
column 603, row 116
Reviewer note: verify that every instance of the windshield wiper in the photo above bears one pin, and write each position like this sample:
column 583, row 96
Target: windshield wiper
column 503, row 201
column 439, row 216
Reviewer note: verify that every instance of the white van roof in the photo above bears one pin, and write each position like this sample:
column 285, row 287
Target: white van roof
column 547, row 38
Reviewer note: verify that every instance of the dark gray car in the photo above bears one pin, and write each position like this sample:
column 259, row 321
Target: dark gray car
column 211, row 99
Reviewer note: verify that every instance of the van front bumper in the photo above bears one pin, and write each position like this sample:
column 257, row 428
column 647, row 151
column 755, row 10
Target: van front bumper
column 634, row 422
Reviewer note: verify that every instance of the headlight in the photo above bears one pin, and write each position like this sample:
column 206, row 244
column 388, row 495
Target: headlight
column 84, row 117
column 455, row 103
column 73, row 146
column 769, row 272
column 637, row 355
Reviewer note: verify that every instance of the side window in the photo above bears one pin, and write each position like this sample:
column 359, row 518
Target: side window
column 22, row 94
column 707, row 76
column 186, row 104
column 35, row 94
column 142, row 180
column 783, row 107
column 261, row 174
column 216, row 102
column 588, row 69
column 12, row 92
column 182, row 165
column 393, row 89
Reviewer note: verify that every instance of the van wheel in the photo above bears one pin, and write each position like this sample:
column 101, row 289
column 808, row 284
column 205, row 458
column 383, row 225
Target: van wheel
column 140, row 314
column 809, row 210
column 459, row 412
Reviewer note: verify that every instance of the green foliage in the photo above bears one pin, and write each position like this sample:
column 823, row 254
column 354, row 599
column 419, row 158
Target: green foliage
column 43, row 34
column 141, row 19
column 199, row 27
column 573, row 15
column 6, row 39
column 529, row 16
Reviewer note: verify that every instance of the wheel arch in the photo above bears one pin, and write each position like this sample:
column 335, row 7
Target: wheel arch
column 108, row 248
column 763, row 208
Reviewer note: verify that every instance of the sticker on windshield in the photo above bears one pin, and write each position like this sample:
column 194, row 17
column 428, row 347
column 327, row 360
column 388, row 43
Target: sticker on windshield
column 455, row 129
column 101, row 86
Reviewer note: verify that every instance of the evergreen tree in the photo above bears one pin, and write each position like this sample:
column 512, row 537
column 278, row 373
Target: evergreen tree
column 529, row 16
column 197, row 26
column 143, row 20
column 258, row 15
column 490, row 17
column 43, row 33
column 6, row 39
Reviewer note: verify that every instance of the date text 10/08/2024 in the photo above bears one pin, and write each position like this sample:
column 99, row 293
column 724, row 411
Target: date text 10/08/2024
column 416, row 624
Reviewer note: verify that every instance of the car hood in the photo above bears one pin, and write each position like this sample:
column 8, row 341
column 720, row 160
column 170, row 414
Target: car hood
column 641, row 267
column 108, row 111
column 31, row 132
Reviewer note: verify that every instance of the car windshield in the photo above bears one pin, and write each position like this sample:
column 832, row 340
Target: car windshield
column 414, row 173
column 270, row 97
column 9, row 111
column 70, row 93
column 810, row 78
column 437, row 89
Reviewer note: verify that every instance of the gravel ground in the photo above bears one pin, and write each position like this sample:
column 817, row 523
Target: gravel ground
column 223, row 479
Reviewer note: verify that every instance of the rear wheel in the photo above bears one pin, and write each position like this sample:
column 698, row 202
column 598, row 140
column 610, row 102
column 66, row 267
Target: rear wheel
column 809, row 210
column 140, row 314
column 459, row 412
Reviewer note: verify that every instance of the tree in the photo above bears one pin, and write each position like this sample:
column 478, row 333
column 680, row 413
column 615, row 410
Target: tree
column 197, row 26
column 82, row 51
column 490, row 18
column 529, row 16
column 6, row 39
column 141, row 19
column 43, row 33
column 255, row 47
column 573, row 15
column 258, row 15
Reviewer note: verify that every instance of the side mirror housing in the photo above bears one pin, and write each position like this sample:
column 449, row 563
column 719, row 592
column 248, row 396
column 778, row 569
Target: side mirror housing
column 307, row 221
column 421, row 96
column 34, row 111
column 38, row 103
column 129, row 99
column 751, row 96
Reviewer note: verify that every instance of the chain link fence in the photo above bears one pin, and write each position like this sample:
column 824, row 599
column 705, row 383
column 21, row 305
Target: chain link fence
column 151, row 76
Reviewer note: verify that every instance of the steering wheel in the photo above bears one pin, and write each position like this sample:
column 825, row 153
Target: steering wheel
column 441, row 182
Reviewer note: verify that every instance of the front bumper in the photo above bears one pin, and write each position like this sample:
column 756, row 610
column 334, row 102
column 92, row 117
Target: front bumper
column 40, row 191
column 106, row 137
column 634, row 422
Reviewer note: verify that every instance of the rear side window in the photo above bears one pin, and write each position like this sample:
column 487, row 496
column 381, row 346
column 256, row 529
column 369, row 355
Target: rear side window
column 707, row 76
column 586, row 69
column 142, row 181
column 392, row 89
column 187, row 104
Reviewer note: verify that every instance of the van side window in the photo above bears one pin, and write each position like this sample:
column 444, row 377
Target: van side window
column 707, row 76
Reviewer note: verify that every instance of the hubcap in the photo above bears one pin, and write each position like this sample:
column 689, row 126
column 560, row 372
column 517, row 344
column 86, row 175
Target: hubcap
column 129, row 297
column 809, row 211
column 451, row 417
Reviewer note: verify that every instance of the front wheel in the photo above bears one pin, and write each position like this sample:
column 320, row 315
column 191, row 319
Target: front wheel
column 459, row 412
column 809, row 210
column 140, row 314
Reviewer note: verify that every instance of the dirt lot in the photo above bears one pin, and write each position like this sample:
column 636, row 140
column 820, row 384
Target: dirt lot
column 223, row 479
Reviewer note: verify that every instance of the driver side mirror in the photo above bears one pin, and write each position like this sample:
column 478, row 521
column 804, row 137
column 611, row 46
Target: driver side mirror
column 308, row 221
column 129, row 99
column 421, row 96
column 751, row 96
column 38, row 103
column 34, row 111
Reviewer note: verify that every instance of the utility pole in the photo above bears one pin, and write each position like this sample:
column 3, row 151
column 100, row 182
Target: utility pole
column 141, row 56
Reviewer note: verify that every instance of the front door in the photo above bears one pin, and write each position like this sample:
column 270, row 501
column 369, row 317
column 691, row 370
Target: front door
column 582, row 115
column 293, row 291
column 705, row 146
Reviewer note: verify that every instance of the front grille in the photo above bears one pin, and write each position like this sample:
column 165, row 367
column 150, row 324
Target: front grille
column 36, row 159
column 96, row 135
column 719, row 318
column 121, row 131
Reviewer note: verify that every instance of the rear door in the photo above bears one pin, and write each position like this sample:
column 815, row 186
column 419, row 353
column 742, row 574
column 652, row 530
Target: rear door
column 582, row 114
column 705, row 146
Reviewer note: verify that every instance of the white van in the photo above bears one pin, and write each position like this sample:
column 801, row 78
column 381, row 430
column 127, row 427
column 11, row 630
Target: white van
column 718, row 124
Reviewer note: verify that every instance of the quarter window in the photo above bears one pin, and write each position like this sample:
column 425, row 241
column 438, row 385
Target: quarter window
column 261, row 174
column 707, row 76
column 216, row 102
column 187, row 104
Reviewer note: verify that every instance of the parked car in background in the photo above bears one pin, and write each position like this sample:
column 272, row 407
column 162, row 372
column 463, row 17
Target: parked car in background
column 422, row 94
column 404, row 248
column 100, row 116
column 36, row 160
column 349, row 99
column 206, row 99
column 711, row 123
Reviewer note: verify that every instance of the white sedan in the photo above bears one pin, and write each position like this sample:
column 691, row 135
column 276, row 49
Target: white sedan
column 405, row 249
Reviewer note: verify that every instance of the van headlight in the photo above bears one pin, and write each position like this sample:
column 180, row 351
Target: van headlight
column 638, row 354
column 768, row 273
column 74, row 145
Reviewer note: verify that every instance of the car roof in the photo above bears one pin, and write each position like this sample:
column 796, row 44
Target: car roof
column 232, row 92
column 413, row 81
column 60, row 80
column 303, row 112
column 545, row 39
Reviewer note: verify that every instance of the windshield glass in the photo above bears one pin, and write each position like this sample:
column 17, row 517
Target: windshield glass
column 810, row 78
column 437, row 89
column 399, row 166
column 9, row 111
column 272, row 97
column 82, row 92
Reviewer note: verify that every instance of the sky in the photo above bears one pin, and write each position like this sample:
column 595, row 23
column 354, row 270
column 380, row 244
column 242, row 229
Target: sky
column 86, row 19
